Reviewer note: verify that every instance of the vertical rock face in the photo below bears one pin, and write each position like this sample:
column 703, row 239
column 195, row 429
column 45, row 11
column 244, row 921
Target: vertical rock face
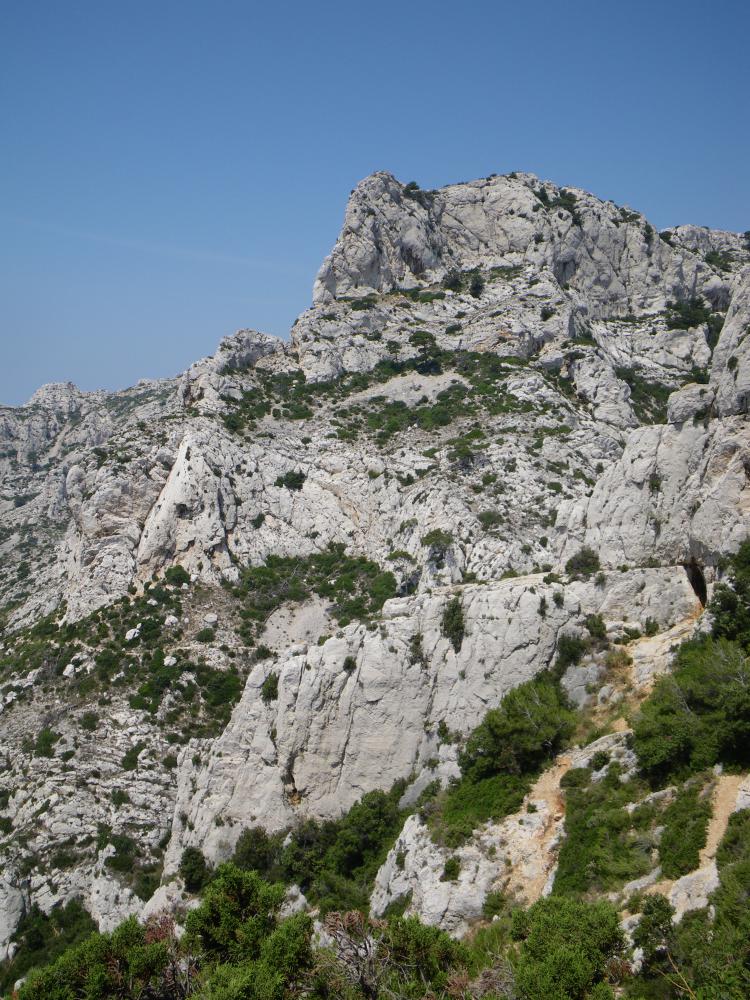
column 491, row 377
column 730, row 372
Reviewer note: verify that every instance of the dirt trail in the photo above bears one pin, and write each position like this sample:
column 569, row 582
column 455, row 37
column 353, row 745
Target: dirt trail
column 547, row 789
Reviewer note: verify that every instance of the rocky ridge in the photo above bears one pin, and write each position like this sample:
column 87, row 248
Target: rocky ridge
column 491, row 377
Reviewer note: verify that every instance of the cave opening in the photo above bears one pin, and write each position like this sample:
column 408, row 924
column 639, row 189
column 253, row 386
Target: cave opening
column 697, row 581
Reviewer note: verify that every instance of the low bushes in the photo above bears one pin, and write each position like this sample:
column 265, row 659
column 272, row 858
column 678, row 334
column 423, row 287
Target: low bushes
column 453, row 624
column 685, row 827
column 583, row 563
column 334, row 862
column 605, row 845
column 501, row 757
column 356, row 587
column 568, row 949
column 193, row 869
column 42, row 938
column 699, row 715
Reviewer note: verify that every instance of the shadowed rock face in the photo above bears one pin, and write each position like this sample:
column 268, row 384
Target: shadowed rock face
column 522, row 369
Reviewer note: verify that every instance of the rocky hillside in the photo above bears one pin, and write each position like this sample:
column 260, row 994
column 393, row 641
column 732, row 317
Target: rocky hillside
column 510, row 433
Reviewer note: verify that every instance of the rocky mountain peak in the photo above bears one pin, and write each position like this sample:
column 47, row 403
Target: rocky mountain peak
column 511, row 429
column 62, row 396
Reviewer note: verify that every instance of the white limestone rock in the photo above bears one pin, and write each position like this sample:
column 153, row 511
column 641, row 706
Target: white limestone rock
column 333, row 735
column 102, row 492
column 730, row 371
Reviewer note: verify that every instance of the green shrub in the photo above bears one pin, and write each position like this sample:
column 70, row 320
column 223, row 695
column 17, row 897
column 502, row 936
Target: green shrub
column 453, row 281
column 730, row 606
column 599, row 760
column 130, row 758
column 234, row 947
column 269, row 690
column 684, row 835
column 41, row 939
column 451, row 869
column 335, row 862
column 583, row 563
column 453, row 624
column 177, row 575
column 259, row 851
column 89, row 721
column 205, row 635
column 350, row 664
column 438, row 541
column 648, row 399
column 597, row 628
column 355, row 587
column 654, row 930
column 236, row 915
column 291, row 480
column 494, row 904
column 489, row 519
column 126, row 851
column 501, row 759
column 468, row 803
column 685, row 315
column 700, row 714
column 63, row 858
column 476, row 285
column 526, row 730
column 398, row 906
column 650, row 627
column 567, row 949
column 570, row 649
column 576, row 777
column 193, row 869
column 44, row 745
column 603, row 847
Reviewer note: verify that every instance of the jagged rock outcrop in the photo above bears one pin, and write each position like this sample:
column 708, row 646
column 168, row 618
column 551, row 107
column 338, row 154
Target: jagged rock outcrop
column 490, row 377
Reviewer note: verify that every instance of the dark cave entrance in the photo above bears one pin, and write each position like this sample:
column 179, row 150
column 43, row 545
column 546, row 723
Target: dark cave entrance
column 697, row 581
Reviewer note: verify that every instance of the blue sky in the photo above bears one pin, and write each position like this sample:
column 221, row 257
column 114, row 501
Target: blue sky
column 173, row 171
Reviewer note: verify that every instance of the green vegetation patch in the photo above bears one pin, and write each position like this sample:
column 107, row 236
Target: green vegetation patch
column 334, row 861
column 648, row 399
column 42, row 938
column 605, row 845
column 685, row 827
column 501, row 759
column 356, row 587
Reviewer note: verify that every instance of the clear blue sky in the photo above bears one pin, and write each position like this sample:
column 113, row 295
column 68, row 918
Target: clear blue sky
column 173, row 171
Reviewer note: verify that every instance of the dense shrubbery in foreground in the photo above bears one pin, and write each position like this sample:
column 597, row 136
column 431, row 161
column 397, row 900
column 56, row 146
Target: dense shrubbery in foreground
column 236, row 947
column 41, row 939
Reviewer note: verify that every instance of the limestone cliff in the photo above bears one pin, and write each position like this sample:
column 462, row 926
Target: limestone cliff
column 491, row 377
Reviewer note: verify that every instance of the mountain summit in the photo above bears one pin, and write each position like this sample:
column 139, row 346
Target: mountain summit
column 513, row 419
